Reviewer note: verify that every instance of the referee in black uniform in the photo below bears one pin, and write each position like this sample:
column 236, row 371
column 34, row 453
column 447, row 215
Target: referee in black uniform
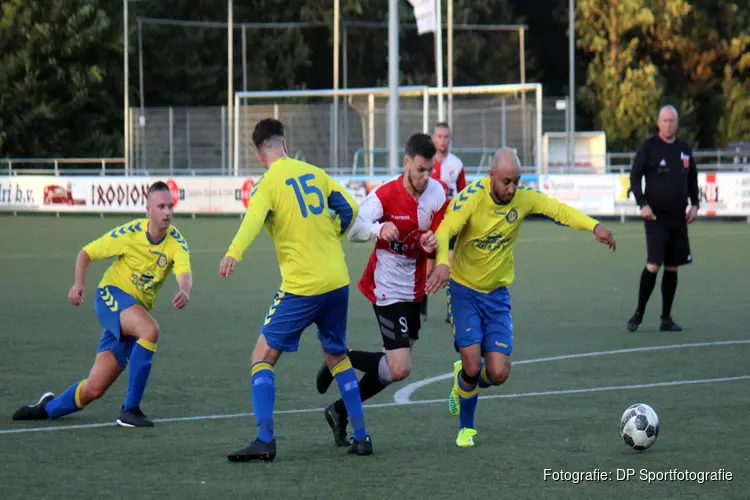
column 671, row 178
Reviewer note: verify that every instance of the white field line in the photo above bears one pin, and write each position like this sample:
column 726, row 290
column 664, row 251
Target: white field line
column 404, row 394
column 444, row 400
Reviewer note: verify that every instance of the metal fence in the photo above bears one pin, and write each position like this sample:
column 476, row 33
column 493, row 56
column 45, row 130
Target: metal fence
column 477, row 161
column 330, row 127
column 195, row 139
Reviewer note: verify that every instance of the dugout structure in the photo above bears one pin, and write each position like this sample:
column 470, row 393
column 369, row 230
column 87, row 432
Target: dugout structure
column 353, row 140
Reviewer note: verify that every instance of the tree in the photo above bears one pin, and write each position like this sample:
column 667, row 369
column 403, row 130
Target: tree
column 55, row 97
column 623, row 89
column 734, row 124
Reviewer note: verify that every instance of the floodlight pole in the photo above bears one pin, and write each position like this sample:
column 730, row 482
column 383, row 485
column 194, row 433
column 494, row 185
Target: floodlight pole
column 393, row 70
column 230, row 80
column 450, row 63
column 439, row 57
column 571, row 83
column 336, row 59
column 126, row 76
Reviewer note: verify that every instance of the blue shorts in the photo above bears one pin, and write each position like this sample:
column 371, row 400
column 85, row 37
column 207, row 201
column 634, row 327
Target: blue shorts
column 110, row 303
column 290, row 314
column 482, row 318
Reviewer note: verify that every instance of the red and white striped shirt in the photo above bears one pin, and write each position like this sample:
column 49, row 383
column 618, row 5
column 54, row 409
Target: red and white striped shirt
column 396, row 271
column 451, row 172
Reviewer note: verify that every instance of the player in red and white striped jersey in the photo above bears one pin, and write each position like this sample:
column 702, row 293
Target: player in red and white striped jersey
column 449, row 170
column 448, row 167
column 401, row 215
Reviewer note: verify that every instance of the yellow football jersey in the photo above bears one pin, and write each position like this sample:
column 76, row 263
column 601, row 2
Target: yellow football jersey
column 293, row 200
column 487, row 232
column 141, row 265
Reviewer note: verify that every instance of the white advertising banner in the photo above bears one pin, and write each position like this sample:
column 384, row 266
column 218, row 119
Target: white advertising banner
column 20, row 193
column 593, row 194
column 718, row 193
column 603, row 195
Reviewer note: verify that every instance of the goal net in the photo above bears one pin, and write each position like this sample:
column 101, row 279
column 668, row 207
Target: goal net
column 345, row 131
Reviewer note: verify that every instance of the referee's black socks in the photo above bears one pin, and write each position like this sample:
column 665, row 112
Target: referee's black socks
column 668, row 289
column 648, row 282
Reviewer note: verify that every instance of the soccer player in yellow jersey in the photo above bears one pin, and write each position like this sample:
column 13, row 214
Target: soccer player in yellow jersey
column 294, row 201
column 486, row 216
column 145, row 251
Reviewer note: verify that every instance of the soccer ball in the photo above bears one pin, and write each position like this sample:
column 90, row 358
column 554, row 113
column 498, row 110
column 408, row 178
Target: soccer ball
column 639, row 426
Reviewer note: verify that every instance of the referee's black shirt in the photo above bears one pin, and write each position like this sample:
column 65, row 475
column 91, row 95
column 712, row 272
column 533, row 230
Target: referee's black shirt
column 671, row 177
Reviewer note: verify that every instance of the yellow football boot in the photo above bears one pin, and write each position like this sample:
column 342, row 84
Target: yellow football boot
column 465, row 437
column 453, row 403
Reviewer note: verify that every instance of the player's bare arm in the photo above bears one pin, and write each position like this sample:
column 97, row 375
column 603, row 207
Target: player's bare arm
column 604, row 235
column 76, row 293
column 185, row 285
column 438, row 279
column 227, row 266
column 428, row 241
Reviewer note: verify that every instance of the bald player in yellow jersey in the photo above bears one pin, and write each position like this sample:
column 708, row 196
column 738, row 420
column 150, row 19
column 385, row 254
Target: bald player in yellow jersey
column 295, row 202
column 486, row 216
column 144, row 252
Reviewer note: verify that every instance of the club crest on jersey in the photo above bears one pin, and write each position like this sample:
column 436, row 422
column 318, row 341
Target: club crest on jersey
column 512, row 216
column 162, row 261
column 685, row 160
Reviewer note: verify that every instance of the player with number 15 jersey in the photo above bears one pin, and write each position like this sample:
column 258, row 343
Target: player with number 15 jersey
column 294, row 200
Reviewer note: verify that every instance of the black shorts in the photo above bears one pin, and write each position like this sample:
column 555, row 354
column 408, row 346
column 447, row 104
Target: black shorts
column 452, row 243
column 667, row 243
column 399, row 324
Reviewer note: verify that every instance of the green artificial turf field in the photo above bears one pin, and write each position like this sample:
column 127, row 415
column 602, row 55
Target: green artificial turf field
column 571, row 296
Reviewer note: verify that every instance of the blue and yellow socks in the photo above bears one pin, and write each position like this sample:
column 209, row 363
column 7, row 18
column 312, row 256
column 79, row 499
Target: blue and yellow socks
column 468, row 395
column 263, row 395
column 347, row 382
column 140, row 368
column 68, row 402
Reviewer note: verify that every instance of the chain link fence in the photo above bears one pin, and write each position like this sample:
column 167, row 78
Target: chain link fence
column 194, row 140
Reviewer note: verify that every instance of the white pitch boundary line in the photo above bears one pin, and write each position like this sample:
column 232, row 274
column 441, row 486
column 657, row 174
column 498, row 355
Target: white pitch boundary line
column 403, row 395
column 388, row 405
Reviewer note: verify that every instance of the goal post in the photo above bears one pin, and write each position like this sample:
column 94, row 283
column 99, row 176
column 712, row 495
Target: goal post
column 353, row 140
column 315, row 132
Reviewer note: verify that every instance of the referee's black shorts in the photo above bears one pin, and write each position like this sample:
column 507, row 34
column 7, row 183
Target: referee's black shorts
column 667, row 242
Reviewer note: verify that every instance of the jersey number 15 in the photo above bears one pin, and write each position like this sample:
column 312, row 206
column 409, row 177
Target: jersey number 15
column 300, row 186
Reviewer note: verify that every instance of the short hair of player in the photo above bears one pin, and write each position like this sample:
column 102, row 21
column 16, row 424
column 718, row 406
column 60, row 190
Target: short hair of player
column 157, row 186
column 420, row 145
column 442, row 125
column 268, row 132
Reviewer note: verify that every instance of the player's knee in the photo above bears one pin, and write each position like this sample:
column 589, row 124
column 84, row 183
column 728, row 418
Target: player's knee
column 671, row 269
column 472, row 368
column 93, row 390
column 399, row 372
column 499, row 375
column 150, row 332
column 653, row 268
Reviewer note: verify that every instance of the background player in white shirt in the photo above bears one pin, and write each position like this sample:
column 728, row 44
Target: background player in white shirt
column 449, row 170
